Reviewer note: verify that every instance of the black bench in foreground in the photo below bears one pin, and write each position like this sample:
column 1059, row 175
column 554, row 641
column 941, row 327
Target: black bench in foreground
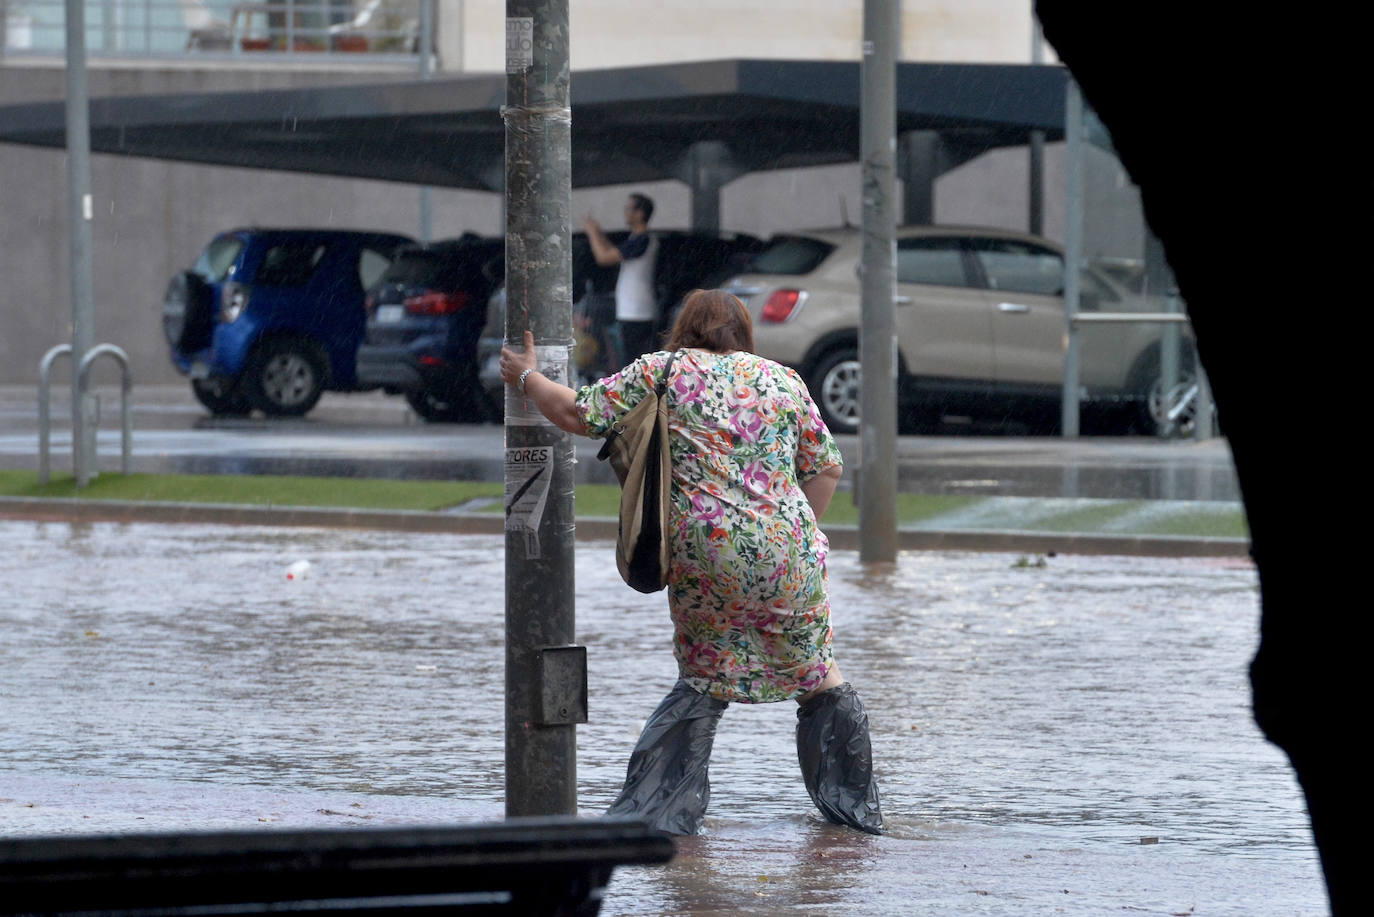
column 519, row 866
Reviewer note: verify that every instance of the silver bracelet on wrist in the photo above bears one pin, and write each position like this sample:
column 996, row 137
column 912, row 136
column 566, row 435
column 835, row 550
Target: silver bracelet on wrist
column 524, row 374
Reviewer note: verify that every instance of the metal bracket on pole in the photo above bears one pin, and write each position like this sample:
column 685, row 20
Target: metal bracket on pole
column 44, row 412
column 562, row 685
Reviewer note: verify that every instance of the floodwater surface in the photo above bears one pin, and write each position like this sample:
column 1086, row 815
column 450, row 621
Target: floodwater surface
column 1062, row 735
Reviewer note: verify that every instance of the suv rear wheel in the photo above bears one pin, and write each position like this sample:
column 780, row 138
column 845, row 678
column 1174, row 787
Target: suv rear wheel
column 1179, row 400
column 284, row 377
column 457, row 404
column 835, row 387
column 1155, row 402
column 221, row 399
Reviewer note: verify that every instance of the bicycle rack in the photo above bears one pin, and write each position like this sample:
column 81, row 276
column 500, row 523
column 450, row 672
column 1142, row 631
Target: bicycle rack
column 83, row 374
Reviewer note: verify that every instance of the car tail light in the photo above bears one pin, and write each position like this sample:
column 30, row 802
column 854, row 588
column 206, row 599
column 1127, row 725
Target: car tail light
column 781, row 304
column 437, row 303
column 369, row 304
column 233, row 300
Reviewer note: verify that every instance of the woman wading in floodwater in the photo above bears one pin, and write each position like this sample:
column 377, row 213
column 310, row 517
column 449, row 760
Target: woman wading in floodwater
column 753, row 468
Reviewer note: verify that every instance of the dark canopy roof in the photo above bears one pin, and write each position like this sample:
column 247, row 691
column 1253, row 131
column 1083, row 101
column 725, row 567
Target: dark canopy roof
column 629, row 125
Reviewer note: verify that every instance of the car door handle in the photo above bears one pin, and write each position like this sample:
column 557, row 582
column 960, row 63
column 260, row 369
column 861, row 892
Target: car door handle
column 1012, row 307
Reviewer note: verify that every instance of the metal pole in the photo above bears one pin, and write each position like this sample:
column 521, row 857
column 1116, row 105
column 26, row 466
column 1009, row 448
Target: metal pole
column 426, row 71
column 877, row 328
column 1203, row 426
column 80, row 211
column 1073, row 252
column 1036, row 189
column 541, row 748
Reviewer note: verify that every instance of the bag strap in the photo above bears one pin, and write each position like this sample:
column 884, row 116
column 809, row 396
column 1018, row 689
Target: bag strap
column 660, row 391
column 661, row 387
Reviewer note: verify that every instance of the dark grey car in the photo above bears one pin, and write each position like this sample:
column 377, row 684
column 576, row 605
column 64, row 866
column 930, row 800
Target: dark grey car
column 423, row 320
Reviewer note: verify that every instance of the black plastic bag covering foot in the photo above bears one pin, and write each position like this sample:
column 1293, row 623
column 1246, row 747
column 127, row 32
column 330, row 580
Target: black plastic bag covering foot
column 668, row 783
column 837, row 759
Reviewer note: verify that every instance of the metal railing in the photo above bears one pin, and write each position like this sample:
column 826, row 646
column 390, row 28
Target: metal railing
column 83, row 375
column 224, row 29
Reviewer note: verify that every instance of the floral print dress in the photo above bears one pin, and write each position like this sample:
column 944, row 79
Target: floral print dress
column 747, row 586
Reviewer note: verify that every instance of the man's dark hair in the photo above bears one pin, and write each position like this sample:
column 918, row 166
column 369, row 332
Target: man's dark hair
column 644, row 204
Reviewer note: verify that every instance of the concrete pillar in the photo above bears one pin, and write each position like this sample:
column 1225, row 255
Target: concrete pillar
column 922, row 158
column 707, row 167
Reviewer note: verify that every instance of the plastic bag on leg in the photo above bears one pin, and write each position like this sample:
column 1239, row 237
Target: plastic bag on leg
column 667, row 783
column 836, row 759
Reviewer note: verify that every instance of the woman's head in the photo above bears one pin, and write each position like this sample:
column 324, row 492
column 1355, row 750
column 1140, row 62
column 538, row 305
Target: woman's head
column 712, row 320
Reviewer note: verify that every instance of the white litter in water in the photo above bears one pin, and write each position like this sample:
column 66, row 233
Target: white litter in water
column 299, row 570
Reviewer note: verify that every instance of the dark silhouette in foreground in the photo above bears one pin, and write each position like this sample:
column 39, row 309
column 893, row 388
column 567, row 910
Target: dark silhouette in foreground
column 1240, row 130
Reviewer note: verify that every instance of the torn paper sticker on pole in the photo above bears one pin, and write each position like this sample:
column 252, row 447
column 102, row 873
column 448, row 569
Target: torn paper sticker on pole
column 529, row 469
column 519, row 43
column 552, row 360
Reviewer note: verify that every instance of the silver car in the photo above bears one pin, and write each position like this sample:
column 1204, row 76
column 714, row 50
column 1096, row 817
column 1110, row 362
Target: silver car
column 980, row 328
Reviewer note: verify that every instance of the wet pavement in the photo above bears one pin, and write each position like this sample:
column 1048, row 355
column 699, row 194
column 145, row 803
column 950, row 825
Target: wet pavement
column 1064, row 737
column 373, row 435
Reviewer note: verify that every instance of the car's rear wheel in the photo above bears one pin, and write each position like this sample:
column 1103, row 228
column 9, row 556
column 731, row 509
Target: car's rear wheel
column 220, row 398
column 1165, row 410
column 284, row 377
column 1170, row 411
column 835, row 386
column 456, row 404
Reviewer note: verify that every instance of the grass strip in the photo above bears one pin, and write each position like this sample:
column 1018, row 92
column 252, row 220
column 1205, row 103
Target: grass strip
column 1089, row 517
column 1199, row 524
column 256, row 490
column 592, row 500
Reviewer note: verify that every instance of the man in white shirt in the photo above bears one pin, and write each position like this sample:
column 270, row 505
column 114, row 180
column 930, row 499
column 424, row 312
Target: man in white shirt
column 636, row 304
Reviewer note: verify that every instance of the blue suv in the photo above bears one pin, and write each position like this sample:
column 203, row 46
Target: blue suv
column 271, row 318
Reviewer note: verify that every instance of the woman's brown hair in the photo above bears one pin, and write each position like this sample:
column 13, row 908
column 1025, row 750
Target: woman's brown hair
column 712, row 320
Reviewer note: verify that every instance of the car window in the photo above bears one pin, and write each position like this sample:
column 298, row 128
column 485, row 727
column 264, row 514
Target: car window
column 219, row 256
column 1020, row 266
column 936, row 261
column 437, row 269
column 791, row 255
column 371, row 264
column 289, row 264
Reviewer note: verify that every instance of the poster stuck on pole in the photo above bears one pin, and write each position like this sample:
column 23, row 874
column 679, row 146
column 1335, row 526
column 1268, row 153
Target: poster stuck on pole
column 529, row 469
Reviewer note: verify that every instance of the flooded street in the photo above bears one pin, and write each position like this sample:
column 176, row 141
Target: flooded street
column 1072, row 738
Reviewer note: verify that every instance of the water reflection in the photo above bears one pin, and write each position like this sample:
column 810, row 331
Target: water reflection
column 1031, row 724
